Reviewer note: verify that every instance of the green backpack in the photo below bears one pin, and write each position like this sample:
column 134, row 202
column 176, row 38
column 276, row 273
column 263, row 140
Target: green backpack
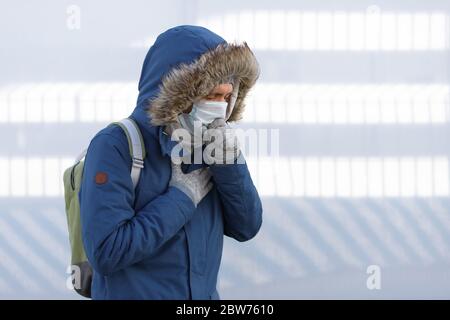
column 81, row 270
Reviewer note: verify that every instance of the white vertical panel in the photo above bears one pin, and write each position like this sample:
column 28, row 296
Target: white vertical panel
column 438, row 102
column 375, row 177
column 391, row 177
column 324, row 31
column 404, row 98
column 388, row 105
column 293, row 30
column 87, row 104
column 340, row 30
column 231, row 27
column 355, row 106
column 439, row 31
column 372, row 110
column 297, row 168
column 388, row 31
column 67, row 100
column 359, row 177
column 283, row 177
column 293, row 108
column 421, row 36
column 277, row 30
column 52, row 179
column 102, row 100
column 17, row 104
column 266, row 176
column 277, row 102
column 324, row 109
column 327, row 177
column 405, row 111
column 308, row 37
column 343, row 177
column 407, row 177
column 122, row 101
column 312, row 173
column 340, row 105
column 262, row 29
column 18, row 175
column 34, row 101
column 262, row 106
column 50, row 105
column 250, row 111
column 35, row 177
column 424, row 177
column 246, row 27
column 309, row 105
column 404, row 31
column 421, row 106
column 252, row 164
column 356, row 31
column 4, row 106
column 309, row 111
column 441, row 177
column 373, row 31
column 5, row 177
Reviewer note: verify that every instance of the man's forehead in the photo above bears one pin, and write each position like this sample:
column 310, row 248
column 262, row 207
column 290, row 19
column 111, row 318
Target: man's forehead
column 223, row 88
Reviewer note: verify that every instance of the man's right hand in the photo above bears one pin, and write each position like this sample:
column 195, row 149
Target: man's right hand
column 195, row 184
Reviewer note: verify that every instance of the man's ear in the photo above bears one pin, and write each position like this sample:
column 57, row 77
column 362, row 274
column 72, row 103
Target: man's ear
column 233, row 98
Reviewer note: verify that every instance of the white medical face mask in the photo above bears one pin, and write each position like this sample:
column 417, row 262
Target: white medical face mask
column 206, row 111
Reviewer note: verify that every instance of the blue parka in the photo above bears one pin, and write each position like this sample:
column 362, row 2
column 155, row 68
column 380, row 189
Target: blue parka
column 152, row 242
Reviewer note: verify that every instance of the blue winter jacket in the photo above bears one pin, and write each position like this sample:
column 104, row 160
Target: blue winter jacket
column 152, row 242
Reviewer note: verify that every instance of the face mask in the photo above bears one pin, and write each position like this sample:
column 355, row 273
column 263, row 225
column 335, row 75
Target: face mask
column 206, row 111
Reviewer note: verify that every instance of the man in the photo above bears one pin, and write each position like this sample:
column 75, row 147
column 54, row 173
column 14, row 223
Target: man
column 163, row 240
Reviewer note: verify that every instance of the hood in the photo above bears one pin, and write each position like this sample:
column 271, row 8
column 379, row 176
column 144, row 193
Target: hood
column 185, row 64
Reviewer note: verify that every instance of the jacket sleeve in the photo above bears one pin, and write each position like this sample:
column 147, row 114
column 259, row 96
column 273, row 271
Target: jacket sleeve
column 114, row 235
column 240, row 200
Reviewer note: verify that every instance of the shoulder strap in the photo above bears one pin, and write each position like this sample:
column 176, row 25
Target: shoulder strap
column 136, row 146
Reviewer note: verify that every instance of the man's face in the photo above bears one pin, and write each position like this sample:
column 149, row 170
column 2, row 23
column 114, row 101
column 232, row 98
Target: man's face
column 221, row 93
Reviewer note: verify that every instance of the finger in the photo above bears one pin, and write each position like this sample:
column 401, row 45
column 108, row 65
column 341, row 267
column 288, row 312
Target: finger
column 205, row 174
column 175, row 167
column 195, row 173
column 199, row 174
column 217, row 123
column 207, row 189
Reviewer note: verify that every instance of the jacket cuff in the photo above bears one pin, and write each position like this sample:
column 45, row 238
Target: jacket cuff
column 230, row 173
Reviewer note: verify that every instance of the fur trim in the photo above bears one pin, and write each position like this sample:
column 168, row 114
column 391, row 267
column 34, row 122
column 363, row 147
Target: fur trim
column 189, row 82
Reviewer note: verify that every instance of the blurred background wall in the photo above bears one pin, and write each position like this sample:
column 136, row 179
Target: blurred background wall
column 359, row 91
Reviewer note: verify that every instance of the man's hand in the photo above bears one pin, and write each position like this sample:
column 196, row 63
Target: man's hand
column 222, row 145
column 195, row 184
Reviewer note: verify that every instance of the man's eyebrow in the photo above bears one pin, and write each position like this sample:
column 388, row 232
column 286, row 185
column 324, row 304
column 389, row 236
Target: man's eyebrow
column 219, row 93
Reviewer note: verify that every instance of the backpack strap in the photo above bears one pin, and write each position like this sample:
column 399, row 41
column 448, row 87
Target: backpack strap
column 136, row 146
column 81, row 156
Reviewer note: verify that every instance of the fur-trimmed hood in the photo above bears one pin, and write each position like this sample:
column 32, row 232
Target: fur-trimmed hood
column 185, row 64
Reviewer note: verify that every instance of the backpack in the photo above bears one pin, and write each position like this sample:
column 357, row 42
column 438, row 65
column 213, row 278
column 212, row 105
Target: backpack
column 81, row 270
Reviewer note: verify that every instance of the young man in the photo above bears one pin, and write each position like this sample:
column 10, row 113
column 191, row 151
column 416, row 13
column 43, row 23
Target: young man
column 163, row 240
